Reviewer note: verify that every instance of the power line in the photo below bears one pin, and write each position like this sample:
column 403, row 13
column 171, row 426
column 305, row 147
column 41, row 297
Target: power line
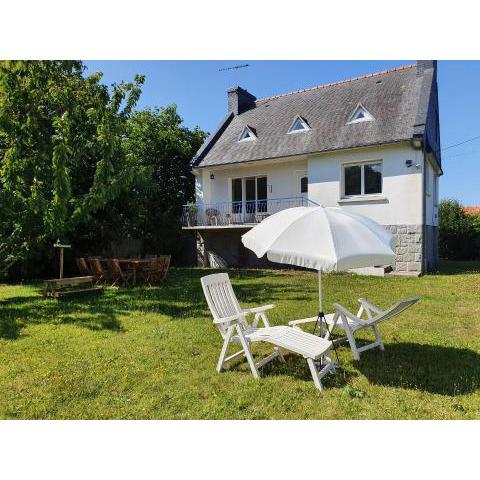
column 461, row 143
column 235, row 67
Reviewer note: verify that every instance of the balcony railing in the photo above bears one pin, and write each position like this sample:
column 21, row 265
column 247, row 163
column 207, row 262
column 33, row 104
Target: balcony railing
column 223, row 214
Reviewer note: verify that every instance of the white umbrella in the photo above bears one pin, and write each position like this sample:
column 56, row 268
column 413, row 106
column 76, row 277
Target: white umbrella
column 322, row 238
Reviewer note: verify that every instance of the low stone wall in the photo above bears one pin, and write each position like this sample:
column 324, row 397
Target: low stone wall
column 224, row 247
column 409, row 248
column 226, row 244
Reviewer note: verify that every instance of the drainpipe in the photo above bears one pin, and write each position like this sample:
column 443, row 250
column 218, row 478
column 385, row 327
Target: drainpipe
column 424, row 212
column 418, row 144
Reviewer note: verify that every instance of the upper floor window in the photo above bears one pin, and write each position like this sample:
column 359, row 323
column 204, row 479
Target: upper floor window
column 247, row 134
column 304, row 184
column 360, row 114
column 298, row 125
column 362, row 179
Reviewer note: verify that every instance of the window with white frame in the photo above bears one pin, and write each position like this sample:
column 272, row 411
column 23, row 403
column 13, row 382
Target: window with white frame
column 304, row 184
column 360, row 114
column 299, row 125
column 362, row 179
column 247, row 134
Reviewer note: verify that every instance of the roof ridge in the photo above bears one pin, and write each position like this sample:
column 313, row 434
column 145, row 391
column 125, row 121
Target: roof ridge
column 318, row 87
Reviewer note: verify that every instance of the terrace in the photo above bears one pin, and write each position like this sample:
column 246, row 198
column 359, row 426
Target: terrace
column 237, row 214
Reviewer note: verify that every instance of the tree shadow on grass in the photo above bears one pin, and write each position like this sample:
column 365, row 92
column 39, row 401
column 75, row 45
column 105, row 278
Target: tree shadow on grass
column 18, row 312
column 431, row 368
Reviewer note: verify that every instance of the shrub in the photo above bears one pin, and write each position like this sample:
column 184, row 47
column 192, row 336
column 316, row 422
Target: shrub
column 459, row 233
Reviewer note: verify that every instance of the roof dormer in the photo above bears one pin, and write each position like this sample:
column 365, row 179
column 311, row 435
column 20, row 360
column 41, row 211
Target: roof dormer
column 299, row 125
column 360, row 114
column 247, row 134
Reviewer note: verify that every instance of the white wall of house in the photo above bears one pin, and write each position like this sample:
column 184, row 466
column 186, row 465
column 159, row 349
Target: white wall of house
column 282, row 179
column 400, row 202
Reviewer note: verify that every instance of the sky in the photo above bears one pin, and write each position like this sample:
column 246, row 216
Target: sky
column 199, row 90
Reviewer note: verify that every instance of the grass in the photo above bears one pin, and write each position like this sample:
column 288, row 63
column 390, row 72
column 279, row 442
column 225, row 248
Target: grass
column 151, row 352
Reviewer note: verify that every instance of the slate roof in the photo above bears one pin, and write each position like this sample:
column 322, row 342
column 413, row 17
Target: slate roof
column 392, row 97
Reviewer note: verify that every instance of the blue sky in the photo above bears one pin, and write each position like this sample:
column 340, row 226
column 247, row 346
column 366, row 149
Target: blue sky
column 199, row 90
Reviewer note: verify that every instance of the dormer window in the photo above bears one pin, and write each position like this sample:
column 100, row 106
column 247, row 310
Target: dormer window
column 298, row 125
column 360, row 114
column 248, row 134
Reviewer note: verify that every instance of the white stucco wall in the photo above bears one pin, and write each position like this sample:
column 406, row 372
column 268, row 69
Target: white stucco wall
column 399, row 204
column 401, row 200
column 282, row 179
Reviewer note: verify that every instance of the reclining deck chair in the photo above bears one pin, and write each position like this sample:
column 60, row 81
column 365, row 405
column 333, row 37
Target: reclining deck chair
column 231, row 321
column 350, row 323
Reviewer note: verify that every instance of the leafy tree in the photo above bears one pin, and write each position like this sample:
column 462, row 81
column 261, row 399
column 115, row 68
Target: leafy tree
column 458, row 236
column 61, row 151
column 161, row 149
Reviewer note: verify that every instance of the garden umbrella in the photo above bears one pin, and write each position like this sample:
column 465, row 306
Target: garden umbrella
column 322, row 238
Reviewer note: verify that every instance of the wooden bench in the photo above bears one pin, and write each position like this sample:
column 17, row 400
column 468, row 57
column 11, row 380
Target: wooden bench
column 69, row 286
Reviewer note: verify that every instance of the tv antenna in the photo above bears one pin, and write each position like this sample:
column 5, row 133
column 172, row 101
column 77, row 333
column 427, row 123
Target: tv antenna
column 235, row 67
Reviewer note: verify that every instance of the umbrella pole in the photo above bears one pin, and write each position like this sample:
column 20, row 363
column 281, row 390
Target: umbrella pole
column 321, row 318
column 320, row 302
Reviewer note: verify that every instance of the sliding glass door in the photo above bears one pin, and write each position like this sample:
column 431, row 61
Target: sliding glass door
column 249, row 196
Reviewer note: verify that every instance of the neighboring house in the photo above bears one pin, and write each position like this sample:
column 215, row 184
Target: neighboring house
column 472, row 210
column 370, row 145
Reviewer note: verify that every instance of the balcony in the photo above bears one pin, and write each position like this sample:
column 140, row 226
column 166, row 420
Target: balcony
column 237, row 214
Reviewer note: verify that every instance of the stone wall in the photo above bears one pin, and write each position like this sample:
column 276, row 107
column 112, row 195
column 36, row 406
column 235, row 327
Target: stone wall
column 225, row 247
column 409, row 248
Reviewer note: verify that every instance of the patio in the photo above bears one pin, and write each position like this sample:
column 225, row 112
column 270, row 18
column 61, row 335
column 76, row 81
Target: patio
column 150, row 352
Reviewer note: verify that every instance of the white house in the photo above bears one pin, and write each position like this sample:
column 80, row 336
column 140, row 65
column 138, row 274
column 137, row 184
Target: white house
column 369, row 144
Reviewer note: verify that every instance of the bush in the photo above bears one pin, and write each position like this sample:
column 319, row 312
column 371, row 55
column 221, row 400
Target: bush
column 459, row 232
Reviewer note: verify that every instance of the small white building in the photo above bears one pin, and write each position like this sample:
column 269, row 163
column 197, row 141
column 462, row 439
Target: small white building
column 370, row 144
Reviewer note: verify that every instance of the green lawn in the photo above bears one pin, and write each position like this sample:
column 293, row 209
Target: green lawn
column 151, row 352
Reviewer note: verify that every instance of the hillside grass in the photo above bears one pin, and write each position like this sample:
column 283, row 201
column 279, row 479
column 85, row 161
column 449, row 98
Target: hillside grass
column 150, row 353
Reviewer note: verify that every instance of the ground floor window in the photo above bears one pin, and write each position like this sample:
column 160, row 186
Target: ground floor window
column 362, row 179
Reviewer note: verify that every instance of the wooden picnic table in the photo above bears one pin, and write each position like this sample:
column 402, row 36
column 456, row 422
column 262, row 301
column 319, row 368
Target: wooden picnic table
column 58, row 287
column 135, row 264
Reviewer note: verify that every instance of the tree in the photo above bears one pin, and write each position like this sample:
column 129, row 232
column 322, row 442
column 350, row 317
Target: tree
column 161, row 149
column 458, row 238
column 61, row 151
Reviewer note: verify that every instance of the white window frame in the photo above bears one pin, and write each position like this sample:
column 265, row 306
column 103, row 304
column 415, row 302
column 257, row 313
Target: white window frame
column 299, row 174
column 260, row 175
column 249, row 138
column 367, row 118
column 362, row 179
column 305, row 128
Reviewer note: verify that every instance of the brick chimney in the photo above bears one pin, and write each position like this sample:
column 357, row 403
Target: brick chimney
column 239, row 100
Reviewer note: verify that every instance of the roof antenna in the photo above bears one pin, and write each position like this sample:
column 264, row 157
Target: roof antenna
column 235, row 67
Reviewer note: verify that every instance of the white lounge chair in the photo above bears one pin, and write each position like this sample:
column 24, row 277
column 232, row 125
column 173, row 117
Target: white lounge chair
column 351, row 323
column 231, row 321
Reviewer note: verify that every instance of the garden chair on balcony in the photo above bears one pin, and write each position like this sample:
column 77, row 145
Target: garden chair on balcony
column 352, row 323
column 213, row 216
column 232, row 324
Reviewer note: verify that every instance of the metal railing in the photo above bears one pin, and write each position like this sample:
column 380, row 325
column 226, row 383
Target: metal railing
column 238, row 213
